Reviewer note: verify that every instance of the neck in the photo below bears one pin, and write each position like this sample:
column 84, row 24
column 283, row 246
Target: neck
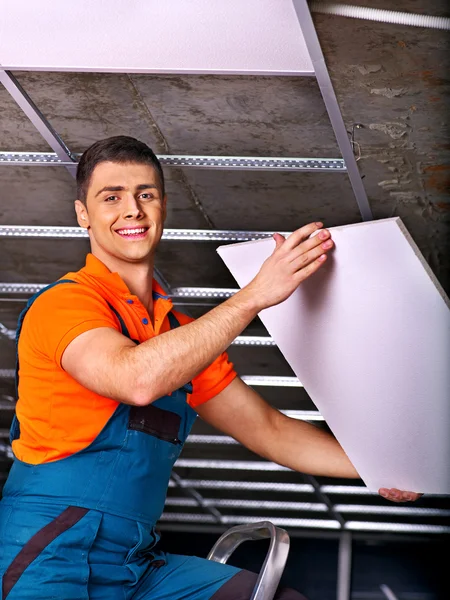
column 138, row 277
column 139, row 280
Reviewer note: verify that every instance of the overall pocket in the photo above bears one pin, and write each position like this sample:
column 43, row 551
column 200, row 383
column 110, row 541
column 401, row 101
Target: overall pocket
column 160, row 423
column 52, row 562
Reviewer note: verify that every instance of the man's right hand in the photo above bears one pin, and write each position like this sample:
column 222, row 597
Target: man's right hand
column 293, row 260
column 108, row 363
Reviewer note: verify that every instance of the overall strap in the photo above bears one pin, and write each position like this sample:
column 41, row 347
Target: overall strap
column 123, row 327
column 15, row 425
column 32, row 299
column 22, row 317
column 174, row 323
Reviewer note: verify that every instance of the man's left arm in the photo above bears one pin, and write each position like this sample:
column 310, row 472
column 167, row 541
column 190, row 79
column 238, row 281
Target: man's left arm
column 242, row 413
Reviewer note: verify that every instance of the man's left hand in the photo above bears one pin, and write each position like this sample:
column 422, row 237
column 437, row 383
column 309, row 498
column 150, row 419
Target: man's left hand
column 398, row 495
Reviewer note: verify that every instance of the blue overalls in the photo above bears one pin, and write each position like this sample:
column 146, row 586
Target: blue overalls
column 83, row 527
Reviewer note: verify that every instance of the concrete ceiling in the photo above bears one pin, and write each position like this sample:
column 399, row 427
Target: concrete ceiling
column 390, row 79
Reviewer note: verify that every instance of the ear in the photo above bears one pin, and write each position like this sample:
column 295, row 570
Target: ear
column 82, row 214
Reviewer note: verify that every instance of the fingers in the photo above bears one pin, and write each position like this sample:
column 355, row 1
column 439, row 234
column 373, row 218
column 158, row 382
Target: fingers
column 308, row 270
column 279, row 240
column 396, row 495
column 300, row 242
column 302, row 260
column 302, row 234
column 293, row 261
column 321, row 239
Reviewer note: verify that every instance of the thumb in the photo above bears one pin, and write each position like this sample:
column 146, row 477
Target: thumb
column 279, row 240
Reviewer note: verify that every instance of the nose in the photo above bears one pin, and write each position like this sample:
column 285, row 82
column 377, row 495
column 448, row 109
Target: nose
column 132, row 208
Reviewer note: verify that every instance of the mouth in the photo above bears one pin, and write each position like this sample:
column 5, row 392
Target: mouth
column 132, row 233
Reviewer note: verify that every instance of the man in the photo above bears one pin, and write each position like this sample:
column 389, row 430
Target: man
column 110, row 385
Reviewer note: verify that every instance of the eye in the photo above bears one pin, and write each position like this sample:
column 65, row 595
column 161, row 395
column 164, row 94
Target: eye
column 110, row 198
column 147, row 196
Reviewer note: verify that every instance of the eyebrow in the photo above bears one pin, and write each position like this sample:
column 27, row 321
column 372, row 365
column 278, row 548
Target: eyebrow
column 120, row 188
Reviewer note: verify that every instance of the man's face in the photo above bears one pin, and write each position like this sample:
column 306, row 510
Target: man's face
column 124, row 211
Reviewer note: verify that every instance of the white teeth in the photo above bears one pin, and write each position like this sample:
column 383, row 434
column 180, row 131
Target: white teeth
column 131, row 231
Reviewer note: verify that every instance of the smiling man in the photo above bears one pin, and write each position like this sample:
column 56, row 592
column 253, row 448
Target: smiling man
column 111, row 381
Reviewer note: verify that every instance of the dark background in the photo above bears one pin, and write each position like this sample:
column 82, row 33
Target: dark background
column 414, row 568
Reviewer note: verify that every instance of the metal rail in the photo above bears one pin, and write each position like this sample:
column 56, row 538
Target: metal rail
column 196, row 497
column 174, row 235
column 176, row 293
column 62, row 152
column 331, row 104
column 229, row 163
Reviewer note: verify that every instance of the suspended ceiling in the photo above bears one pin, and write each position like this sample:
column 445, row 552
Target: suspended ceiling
column 199, row 36
column 391, row 80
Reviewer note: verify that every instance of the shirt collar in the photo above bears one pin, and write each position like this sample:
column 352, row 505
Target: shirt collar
column 99, row 270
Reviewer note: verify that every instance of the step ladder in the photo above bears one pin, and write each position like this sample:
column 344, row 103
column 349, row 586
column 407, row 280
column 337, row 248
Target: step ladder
column 276, row 557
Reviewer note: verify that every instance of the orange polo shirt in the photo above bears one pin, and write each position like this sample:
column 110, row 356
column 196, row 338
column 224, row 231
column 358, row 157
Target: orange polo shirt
column 57, row 415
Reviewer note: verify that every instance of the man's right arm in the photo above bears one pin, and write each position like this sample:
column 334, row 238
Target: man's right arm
column 108, row 363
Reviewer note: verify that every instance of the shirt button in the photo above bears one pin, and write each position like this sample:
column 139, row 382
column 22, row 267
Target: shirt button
column 129, row 301
column 145, row 321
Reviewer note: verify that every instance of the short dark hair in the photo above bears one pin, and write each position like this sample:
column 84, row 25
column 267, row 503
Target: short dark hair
column 119, row 149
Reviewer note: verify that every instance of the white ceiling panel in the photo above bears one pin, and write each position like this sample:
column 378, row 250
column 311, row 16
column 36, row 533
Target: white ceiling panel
column 368, row 336
column 174, row 36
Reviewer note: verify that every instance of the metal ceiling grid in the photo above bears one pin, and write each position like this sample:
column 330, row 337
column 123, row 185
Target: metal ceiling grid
column 230, row 483
column 229, row 163
column 180, row 235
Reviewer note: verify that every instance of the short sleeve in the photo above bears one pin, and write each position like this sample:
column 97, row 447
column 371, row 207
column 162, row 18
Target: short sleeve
column 212, row 380
column 61, row 314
